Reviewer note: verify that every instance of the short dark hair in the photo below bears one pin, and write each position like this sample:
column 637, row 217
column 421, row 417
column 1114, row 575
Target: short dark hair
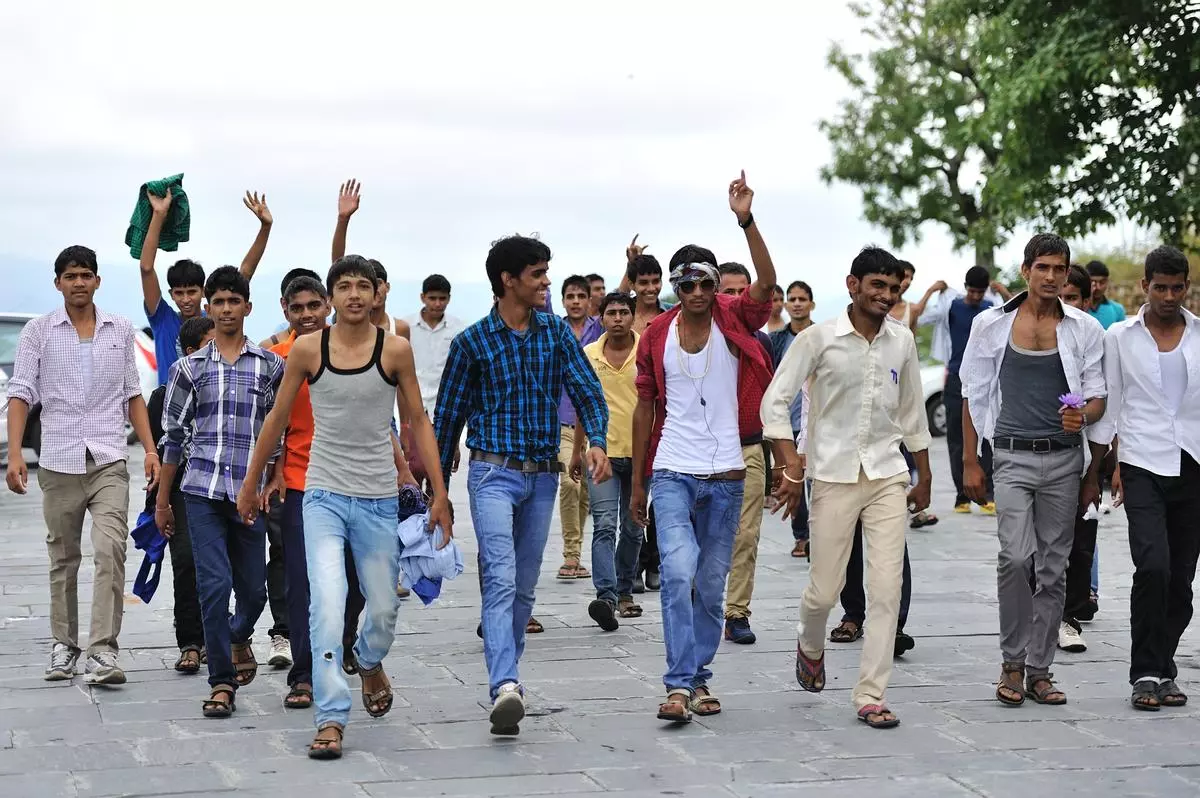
column 908, row 267
column 977, row 277
column 690, row 253
column 734, row 268
column 1166, row 261
column 192, row 331
column 1046, row 244
column 305, row 283
column 352, row 265
column 185, row 274
column 643, row 265
column 1096, row 268
column 1078, row 277
column 292, row 275
column 800, row 284
column 577, row 280
column 512, row 255
column 591, row 278
column 227, row 278
column 777, row 289
column 876, row 260
column 76, row 255
column 616, row 297
column 380, row 272
column 435, row 282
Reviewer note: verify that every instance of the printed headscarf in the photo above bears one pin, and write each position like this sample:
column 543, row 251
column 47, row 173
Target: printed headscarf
column 695, row 272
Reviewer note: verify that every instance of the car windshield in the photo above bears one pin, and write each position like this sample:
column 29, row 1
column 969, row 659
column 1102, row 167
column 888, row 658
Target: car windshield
column 10, row 333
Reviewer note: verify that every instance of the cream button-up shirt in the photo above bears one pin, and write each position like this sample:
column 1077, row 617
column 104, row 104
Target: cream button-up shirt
column 431, row 347
column 865, row 399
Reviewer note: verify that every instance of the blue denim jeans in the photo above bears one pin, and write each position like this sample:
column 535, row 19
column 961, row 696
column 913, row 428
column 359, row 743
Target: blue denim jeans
column 511, row 515
column 229, row 557
column 331, row 522
column 614, row 561
column 697, row 522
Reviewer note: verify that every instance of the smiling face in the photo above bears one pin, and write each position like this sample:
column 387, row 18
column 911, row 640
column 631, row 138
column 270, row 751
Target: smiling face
column 531, row 286
column 188, row 299
column 353, row 297
column 306, row 312
column 1046, row 276
column 875, row 294
column 228, row 310
column 78, row 285
column 648, row 287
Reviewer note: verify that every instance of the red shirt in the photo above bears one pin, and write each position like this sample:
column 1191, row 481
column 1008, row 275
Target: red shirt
column 298, row 440
column 737, row 317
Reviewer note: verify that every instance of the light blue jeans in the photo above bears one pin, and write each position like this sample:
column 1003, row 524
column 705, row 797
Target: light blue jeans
column 511, row 514
column 614, row 560
column 331, row 522
column 697, row 522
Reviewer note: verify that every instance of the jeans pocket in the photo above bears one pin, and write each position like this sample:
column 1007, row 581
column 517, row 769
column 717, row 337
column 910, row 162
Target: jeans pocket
column 385, row 508
column 314, row 497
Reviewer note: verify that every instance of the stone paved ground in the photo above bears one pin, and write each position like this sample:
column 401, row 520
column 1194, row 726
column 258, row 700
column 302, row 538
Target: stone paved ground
column 592, row 696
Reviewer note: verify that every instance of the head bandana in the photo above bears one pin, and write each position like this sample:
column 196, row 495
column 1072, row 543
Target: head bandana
column 694, row 272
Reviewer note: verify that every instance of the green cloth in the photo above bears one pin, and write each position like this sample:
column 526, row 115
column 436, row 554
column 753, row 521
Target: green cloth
column 178, row 226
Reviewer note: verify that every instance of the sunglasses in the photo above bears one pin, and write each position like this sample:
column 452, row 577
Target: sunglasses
column 688, row 286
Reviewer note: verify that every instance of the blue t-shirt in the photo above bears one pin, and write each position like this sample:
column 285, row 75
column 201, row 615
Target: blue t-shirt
column 1108, row 314
column 165, row 323
column 960, row 319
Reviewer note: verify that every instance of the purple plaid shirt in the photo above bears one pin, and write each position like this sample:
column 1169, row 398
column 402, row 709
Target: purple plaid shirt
column 592, row 330
column 223, row 406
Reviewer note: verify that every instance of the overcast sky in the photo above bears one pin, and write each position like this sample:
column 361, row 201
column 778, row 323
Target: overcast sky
column 464, row 122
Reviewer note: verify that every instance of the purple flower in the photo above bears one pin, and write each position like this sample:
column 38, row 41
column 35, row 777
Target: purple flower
column 1072, row 400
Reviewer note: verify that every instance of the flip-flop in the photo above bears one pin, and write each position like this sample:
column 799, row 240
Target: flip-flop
column 810, row 673
column 878, row 710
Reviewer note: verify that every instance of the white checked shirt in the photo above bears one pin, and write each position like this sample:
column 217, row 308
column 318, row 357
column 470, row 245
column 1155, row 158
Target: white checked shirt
column 431, row 347
column 865, row 399
column 1080, row 347
column 76, row 421
column 1151, row 433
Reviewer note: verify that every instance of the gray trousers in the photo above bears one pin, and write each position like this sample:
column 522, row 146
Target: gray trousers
column 1037, row 496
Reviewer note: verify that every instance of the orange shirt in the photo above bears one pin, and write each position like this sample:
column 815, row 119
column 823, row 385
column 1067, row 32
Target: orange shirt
column 298, row 441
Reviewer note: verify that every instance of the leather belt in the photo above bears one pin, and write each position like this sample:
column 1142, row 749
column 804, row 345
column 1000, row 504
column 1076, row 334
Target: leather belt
column 735, row 475
column 1036, row 445
column 524, row 466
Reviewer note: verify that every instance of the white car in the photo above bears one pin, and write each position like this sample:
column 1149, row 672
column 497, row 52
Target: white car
column 933, row 380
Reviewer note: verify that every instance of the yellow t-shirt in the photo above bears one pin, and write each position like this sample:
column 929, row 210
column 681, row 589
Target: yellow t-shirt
column 620, row 392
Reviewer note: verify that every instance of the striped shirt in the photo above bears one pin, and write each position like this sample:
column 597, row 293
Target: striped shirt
column 505, row 385
column 223, row 405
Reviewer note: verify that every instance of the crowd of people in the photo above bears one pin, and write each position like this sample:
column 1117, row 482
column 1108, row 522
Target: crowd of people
column 672, row 427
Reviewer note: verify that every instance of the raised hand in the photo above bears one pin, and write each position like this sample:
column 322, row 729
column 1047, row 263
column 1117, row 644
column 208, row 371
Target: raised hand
column 258, row 206
column 741, row 197
column 939, row 286
column 348, row 199
column 159, row 205
column 633, row 250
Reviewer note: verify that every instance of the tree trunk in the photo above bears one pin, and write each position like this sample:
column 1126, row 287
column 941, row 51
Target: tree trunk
column 985, row 256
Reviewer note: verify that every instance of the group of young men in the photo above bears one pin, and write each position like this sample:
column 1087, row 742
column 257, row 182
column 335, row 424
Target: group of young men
column 653, row 420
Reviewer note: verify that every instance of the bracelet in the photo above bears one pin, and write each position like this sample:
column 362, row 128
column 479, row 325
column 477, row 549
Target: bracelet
column 793, row 481
column 749, row 221
column 151, row 454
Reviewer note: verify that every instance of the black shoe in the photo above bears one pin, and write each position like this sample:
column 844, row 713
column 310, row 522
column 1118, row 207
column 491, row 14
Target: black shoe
column 653, row 580
column 638, row 585
column 604, row 614
column 737, row 630
column 1088, row 611
column 479, row 630
column 904, row 642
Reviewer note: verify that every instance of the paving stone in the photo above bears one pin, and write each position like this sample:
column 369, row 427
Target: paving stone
column 1145, row 783
column 900, row 787
column 146, row 781
column 556, row 784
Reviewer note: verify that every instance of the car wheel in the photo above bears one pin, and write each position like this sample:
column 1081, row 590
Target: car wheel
column 935, row 411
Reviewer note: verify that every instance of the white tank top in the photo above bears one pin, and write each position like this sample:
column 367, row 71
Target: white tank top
column 700, row 433
column 1173, row 368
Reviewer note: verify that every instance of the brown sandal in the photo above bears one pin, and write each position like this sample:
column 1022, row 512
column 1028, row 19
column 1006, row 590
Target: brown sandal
column 215, row 707
column 846, row 632
column 1011, row 676
column 299, row 697
column 675, row 709
column 325, row 747
column 704, row 703
column 380, row 699
column 189, row 660
column 800, row 550
column 244, row 663
column 1041, row 689
column 626, row 608
column 568, row 570
column 533, row 627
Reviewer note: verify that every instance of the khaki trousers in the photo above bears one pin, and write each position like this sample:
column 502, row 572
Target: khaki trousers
column 740, row 586
column 572, row 500
column 834, row 510
column 103, row 492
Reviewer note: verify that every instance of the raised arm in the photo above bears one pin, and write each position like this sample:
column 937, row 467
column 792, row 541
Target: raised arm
column 259, row 208
column 631, row 252
column 741, row 197
column 151, row 290
column 347, row 205
column 918, row 313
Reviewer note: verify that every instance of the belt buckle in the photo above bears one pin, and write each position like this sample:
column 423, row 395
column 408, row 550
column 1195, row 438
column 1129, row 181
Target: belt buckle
column 703, row 477
column 1041, row 445
column 528, row 467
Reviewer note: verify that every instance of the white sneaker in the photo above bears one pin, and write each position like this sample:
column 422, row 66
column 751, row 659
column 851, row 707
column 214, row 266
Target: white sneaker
column 62, row 663
column 508, row 710
column 102, row 669
column 1069, row 639
column 281, row 653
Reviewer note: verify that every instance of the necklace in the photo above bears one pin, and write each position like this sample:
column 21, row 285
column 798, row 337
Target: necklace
column 683, row 366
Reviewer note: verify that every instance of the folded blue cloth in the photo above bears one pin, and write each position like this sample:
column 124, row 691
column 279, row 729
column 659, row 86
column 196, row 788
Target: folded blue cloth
column 423, row 565
column 147, row 538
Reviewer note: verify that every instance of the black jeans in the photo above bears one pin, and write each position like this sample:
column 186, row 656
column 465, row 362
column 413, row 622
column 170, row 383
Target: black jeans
column 296, row 587
column 648, row 557
column 1164, row 541
column 952, row 400
column 189, row 625
column 276, row 570
column 854, row 596
column 1079, row 570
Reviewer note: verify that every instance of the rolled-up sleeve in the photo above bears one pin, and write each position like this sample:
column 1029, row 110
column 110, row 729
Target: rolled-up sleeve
column 133, row 381
column 793, row 372
column 1092, row 375
column 1105, row 428
column 179, row 410
column 27, row 368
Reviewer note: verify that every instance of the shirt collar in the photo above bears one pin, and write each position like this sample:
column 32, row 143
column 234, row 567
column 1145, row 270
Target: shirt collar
column 426, row 325
column 1189, row 318
column 599, row 350
column 248, row 348
column 845, row 327
column 494, row 324
column 59, row 316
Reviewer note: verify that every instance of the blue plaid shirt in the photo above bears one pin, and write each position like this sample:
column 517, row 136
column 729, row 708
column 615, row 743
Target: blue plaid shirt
column 223, row 407
column 506, row 386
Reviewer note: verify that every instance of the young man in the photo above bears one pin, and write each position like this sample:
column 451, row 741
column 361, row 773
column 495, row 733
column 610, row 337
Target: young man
column 701, row 377
column 503, row 378
column 1150, row 367
column 735, row 281
column 78, row 362
column 596, row 295
column 285, row 331
column 186, row 279
column 573, row 497
column 355, row 374
column 1032, row 380
column 432, row 330
column 1103, row 309
column 195, row 333
column 800, row 305
column 865, row 395
column 348, row 202
column 614, row 556
column 776, row 322
column 953, row 316
column 216, row 401
column 643, row 275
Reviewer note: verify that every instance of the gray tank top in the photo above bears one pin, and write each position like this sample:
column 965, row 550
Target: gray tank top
column 1030, row 384
column 352, row 418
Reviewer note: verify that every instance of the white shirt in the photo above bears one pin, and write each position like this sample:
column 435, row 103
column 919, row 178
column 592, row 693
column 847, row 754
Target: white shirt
column 1080, row 346
column 431, row 346
column 700, row 432
column 865, row 399
column 938, row 315
column 1139, row 412
column 1173, row 366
